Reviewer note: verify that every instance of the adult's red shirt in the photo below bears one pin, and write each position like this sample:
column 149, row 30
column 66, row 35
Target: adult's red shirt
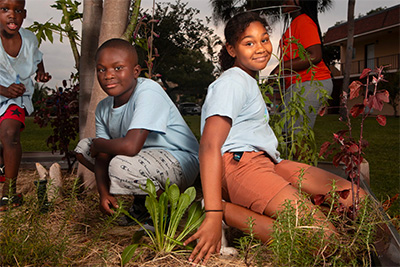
column 305, row 31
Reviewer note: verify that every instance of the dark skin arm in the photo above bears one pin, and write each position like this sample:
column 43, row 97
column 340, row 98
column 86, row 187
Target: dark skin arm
column 298, row 64
column 215, row 132
column 13, row 91
column 104, row 150
column 107, row 201
column 16, row 90
column 41, row 75
column 129, row 145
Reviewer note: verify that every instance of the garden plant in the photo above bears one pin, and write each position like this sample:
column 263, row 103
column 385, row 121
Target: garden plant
column 166, row 214
column 59, row 108
column 347, row 149
column 294, row 142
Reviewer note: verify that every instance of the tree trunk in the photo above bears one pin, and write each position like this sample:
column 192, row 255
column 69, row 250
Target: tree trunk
column 349, row 49
column 92, row 12
column 113, row 24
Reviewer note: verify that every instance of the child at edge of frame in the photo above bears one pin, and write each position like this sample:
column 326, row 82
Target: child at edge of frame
column 140, row 135
column 20, row 58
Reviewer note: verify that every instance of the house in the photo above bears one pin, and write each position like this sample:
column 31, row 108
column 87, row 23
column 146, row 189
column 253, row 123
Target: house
column 376, row 43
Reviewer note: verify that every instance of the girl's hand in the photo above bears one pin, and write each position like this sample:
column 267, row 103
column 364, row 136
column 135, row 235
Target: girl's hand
column 106, row 203
column 209, row 238
column 13, row 91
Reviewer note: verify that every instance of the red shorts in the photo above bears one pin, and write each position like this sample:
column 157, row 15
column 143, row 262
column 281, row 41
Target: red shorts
column 14, row 112
column 254, row 180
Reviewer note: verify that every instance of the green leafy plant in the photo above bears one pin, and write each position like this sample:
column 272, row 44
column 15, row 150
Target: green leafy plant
column 60, row 110
column 70, row 12
column 294, row 142
column 166, row 213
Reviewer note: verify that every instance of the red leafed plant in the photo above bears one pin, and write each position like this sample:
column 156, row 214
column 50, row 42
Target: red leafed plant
column 345, row 148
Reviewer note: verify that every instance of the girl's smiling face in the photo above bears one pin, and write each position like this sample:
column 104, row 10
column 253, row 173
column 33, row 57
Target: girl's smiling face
column 253, row 49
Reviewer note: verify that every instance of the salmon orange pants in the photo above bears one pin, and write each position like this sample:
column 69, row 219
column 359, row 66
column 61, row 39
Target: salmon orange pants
column 254, row 180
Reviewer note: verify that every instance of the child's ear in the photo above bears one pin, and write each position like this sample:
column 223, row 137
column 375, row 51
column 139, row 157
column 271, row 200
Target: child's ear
column 231, row 50
column 24, row 13
column 136, row 71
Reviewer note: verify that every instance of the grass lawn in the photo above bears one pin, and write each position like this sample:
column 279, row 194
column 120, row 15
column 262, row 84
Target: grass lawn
column 33, row 138
column 383, row 153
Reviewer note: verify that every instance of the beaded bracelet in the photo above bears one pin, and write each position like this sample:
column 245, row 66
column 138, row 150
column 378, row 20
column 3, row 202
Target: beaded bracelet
column 213, row 211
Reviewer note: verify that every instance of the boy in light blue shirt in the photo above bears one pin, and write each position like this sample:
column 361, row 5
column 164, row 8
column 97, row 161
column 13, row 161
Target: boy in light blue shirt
column 140, row 133
column 20, row 59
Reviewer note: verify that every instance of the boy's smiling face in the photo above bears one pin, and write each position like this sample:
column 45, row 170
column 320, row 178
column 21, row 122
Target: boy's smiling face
column 12, row 14
column 117, row 73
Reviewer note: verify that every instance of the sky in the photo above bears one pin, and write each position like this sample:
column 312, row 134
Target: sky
column 58, row 57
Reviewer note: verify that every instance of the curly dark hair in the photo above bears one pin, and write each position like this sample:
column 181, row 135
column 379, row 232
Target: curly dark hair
column 233, row 29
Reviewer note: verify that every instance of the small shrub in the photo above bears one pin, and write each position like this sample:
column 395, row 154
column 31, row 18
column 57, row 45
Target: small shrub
column 251, row 249
column 296, row 243
column 60, row 110
column 345, row 148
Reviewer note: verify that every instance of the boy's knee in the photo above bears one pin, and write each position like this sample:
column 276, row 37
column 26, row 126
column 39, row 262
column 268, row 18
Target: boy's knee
column 83, row 147
column 10, row 136
column 82, row 153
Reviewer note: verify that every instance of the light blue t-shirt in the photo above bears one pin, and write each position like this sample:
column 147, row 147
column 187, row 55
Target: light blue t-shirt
column 235, row 94
column 24, row 65
column 151, row 108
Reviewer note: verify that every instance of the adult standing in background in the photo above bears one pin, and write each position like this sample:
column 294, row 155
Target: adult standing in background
column 304, row 27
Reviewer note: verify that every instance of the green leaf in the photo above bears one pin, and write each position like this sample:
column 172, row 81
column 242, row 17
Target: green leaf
column 195, row 212
column 128, row 253
column 173, row 196
column 191, row 192
column 49, row 34
column 196, row 216
column 161, row 218
column 150, row 188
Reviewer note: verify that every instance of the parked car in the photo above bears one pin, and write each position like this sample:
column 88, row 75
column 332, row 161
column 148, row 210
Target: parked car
column 189, row 108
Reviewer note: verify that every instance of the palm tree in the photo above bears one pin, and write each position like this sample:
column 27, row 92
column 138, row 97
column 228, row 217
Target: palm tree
column 224, row 10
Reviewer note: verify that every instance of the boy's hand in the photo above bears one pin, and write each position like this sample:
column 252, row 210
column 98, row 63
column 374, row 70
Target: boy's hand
column 42, row 77
column 93, row 148
column 13, row 91
column 106, row 203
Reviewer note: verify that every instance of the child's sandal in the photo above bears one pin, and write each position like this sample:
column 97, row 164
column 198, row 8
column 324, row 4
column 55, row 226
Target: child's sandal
column 2, row 174
column 13, row 202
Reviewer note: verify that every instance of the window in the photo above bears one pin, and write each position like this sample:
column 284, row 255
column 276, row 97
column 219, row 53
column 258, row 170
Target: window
column 369, row 56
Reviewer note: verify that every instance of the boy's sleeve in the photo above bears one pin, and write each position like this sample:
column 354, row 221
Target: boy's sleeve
column 151, row 112
column 101, row 129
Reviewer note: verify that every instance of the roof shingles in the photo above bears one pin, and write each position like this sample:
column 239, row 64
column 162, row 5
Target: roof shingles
column 383, row 19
